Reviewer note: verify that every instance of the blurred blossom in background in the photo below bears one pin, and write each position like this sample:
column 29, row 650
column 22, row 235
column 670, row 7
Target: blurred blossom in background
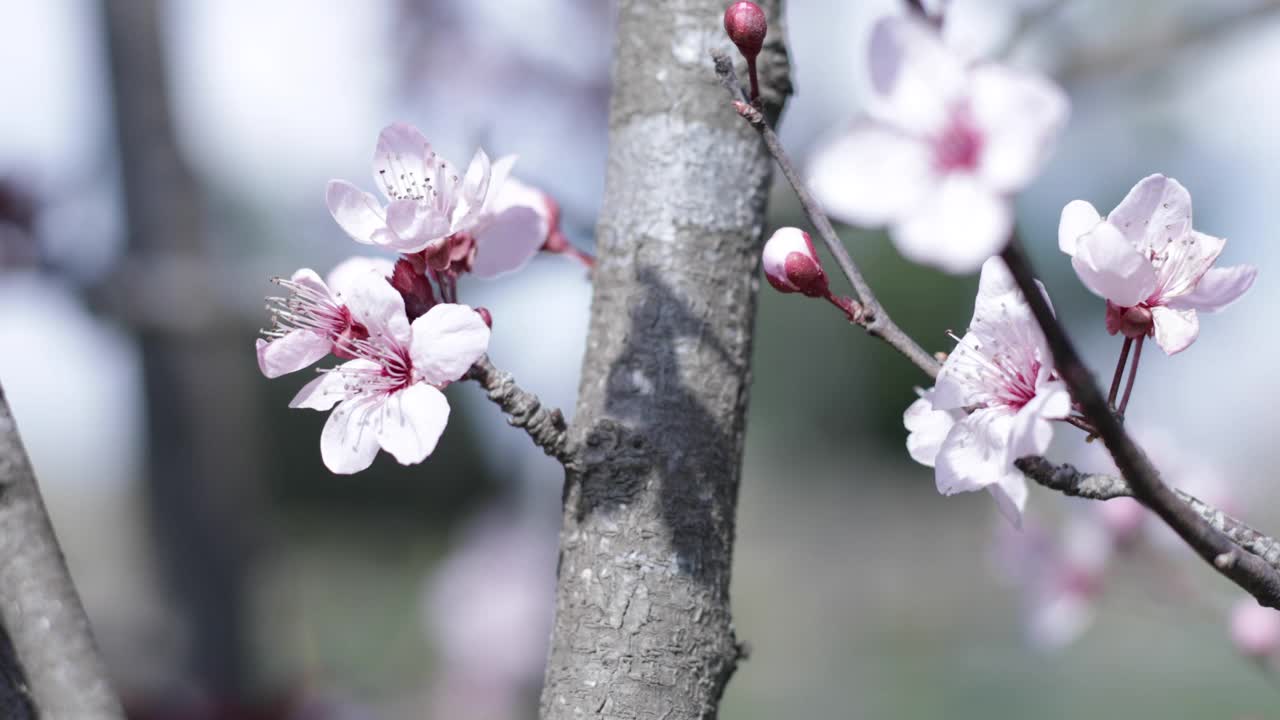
column 230, row 576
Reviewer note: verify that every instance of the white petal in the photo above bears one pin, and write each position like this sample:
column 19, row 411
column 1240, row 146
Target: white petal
column 401, row 158
column 412, row 420
column 1175, row 329
column 1078, row 218
column 349, row 441
column 414, row 225
column 1218, row 288
column 357, row 212
column 1109, row 265
column 928, row 429
column 1019, row 116
column 501, row 182
column 915, row 78
column 332, row 386
column 293, row 351
column 1032, row 432
column 1187, row 259
column 350, row 271
column 472, row 193
column 509, row 240
column 311, row 279
column 975, row 453
column 447, row 341
column 1155, row 210
column 1010, row 494
column 380, row 308
column 958, row 228
column 871, row 175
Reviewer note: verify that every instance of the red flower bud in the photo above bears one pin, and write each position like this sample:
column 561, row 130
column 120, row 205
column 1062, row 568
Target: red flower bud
column 791, row 264
column 746, row 25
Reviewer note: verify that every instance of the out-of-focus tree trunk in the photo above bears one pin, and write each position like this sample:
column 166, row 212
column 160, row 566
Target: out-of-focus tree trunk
column 199, row 410
column 49, row 667
column 643, row 628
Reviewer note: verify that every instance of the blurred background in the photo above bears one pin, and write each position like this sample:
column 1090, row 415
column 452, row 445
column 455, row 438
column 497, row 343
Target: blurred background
column 161, row 160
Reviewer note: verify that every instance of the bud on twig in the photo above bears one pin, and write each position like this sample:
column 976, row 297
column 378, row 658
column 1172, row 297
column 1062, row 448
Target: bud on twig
column 791, row 265
column 746, row 25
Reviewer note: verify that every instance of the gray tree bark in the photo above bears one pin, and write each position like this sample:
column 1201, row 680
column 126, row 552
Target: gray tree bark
column 643, row 628
column 49, row 666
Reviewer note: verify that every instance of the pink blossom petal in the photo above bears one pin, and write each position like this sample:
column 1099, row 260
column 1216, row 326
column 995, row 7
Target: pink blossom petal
column 872, row 175
column 915, row 78
column 380, row 308
column 1175, row 329
column 333, row 386
column 473, row 192
column 1108, row 264
column 353, row 270
column 501, row 182
column 1156, row 210
column 1010, row 494
column 291, row 352
column 1078, row 218
column 402, row 158
column 958, row 229
column 927, row 428
column 1019, row 116
column 1217, row 288
column 1032, row 432
column 975, row 452
column 508, row 241
column 310, row 279
column 412, row 420
column 1187, row 259
column 447, row 341
column 357, row 212
column 415, row 225
column 349, row 440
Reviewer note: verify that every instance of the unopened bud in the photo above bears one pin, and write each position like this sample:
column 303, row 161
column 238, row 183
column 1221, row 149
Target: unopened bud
column 1255, row 630
column 791, row 264
column 416, row 290
column 746, row 25
column 486, row 316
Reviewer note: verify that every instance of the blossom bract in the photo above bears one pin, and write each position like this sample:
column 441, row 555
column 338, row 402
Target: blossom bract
column 389, row 396
column 943, row 148
column 430, row 202
column 314, row 316
column 993, row 399
column 1154, row 270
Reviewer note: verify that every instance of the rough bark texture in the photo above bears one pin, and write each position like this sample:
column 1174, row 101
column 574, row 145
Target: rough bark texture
column 49, row 667
column 642, row 627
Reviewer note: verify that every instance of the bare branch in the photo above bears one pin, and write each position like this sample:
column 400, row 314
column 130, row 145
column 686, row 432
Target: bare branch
column 59, row 668
column 1067, row 480
column 545, row 426
column 1248, row 571
column 873, row 317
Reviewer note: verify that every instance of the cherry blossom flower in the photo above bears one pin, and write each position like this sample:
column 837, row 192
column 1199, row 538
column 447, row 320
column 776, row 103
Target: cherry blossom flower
column 433, row 209
column 389, row 396
column 944, row 147
column 311, row 321
column 1155, row 272
column 993, row 399
column 791, row 264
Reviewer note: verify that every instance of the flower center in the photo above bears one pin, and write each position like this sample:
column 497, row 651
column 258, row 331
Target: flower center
column 306, row 308
column 959, row 146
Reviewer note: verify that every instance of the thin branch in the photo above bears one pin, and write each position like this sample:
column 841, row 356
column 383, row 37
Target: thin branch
column 873, row 317
column 545, row 426
column 1067, row 480
column 1133, row 374
column 60, row 670
column 1246, row 570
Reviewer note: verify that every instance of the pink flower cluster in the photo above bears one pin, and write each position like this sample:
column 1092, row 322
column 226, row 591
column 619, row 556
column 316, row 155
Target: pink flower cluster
column 397, row 323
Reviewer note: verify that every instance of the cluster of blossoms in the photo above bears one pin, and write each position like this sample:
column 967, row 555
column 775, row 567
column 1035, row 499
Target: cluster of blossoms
column 398, row 324
column 946, row 144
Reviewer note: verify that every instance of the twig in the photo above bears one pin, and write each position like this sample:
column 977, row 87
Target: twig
column 39, row 607
column 1246, row 570
column 873, row 317
column 1067, row 480
column 545, row 426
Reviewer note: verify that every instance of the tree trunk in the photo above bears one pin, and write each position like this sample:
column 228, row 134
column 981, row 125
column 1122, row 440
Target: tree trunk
column 49, row 667
column 643, row 628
